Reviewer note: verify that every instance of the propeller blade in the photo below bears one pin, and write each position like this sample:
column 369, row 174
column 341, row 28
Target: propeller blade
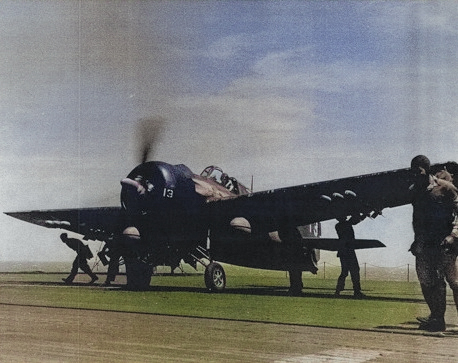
column 149, row 133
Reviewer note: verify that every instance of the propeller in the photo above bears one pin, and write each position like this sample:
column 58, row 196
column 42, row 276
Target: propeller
column 149, row 133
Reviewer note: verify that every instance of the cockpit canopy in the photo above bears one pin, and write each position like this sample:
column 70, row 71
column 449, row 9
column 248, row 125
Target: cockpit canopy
column 213, row 172
column 218, row 175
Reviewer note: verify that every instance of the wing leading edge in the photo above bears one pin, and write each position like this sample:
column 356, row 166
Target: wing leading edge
column 93, row 223
column 315, row 202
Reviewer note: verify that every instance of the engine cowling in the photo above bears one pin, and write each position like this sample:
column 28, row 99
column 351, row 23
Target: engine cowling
column 160, row 200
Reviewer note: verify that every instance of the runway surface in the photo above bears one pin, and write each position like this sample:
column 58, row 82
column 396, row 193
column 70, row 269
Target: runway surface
column 42, row 334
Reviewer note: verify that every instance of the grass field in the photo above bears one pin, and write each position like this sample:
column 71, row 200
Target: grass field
column 251, row 295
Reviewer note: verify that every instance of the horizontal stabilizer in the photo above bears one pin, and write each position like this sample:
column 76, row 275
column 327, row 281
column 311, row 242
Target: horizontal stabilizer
column 333, row 244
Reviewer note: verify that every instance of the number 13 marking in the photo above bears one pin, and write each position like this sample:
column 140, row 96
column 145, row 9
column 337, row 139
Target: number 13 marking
column 168, row 193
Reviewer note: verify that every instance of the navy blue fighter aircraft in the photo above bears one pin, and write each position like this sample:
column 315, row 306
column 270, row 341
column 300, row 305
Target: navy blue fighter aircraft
column 169, row 214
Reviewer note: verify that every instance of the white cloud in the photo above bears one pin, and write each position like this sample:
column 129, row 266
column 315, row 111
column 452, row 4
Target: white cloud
column 229, row 47
column 397, row 18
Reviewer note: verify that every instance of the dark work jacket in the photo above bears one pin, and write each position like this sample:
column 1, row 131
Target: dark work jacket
column 79, row 247
column 434, row 213
column 346, row 235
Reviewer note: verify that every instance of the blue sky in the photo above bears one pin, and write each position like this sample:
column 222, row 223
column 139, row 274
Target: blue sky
column 290, row 92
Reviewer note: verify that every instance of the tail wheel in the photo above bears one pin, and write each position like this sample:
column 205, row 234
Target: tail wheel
column 215, row 277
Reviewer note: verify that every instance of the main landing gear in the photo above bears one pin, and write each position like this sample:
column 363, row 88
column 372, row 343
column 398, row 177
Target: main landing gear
column 215, row 277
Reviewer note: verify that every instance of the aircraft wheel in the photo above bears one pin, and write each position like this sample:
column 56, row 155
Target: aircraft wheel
column 215, row 277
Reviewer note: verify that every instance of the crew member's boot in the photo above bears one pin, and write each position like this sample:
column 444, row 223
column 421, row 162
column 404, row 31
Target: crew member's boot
column 357, row 289
column 340, row 283
column 435, row 298
column 68, row 281
column 427, row 295
column 433, row 324
column 358, row 294
column 94, row 278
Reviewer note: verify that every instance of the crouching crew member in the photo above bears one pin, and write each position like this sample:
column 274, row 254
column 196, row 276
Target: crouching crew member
column 83, row 253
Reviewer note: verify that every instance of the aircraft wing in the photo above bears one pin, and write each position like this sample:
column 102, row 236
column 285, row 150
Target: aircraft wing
column 315, row 202
column 93, row 223
column 333, row 244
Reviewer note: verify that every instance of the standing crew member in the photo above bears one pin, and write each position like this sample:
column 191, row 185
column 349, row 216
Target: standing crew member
column 348, row 260
column 112, row 249
column 435, row 225
column 83, row 253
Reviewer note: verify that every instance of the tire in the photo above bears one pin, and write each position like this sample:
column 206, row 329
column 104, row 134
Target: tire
column 215, row 277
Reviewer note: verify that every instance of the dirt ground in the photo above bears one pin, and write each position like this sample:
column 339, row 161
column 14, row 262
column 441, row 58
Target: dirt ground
column 41, row 334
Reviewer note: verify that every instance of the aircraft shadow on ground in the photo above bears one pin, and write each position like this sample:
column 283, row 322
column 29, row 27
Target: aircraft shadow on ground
column 313, row 293
column 412, row 327
column 249, row 290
